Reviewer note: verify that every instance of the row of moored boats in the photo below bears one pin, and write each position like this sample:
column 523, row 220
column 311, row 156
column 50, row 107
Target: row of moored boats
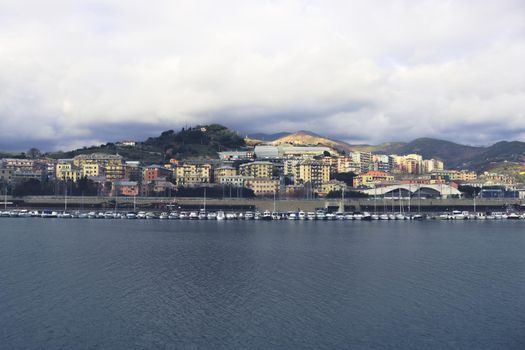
column 251, row 215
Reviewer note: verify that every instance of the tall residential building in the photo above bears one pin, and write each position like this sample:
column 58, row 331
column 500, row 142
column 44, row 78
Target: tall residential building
column 258, row 169
column 194, row 173
column 313, row 172
column 110, row 165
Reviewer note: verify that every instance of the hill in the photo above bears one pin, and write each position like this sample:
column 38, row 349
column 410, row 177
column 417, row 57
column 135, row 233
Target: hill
column 267, row 137
column 309, row 138
column 202, row 141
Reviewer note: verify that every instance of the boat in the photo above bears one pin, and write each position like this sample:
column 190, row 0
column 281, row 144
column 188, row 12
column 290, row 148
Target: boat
column 203, row 215
column 231, row 216
column 417, row 217
column 366, row 216
column 330, row 216
column 311, row 215
column 141, row 215
column 257, row 215
column 513, row 216
column 46, row 214
column 248, row 215
column 301, row 215
column 151, row 215
column 220, row 215
column 173, row 215
column 400, row 216
column 24, row 213
column 383, row 217
column 320, row 215
column 267, row 215
column 275, row 216
column 458, row 215
column 375, row 217
column 212, row 216
column 193, row 215
column 131, row 215
column 340, row 216
column 349, row 216
column 292, row 216
column 164, row 216
column 183, row 215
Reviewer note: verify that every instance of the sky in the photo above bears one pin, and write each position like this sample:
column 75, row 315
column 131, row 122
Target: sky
column 81, row 73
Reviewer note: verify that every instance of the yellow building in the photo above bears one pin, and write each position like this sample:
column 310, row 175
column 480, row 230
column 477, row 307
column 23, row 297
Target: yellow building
column 191, row 174
column 90, row 170
column 314, row 172
column 331, row 186
column 262, row 186
column 258, row 169
column 225, row 171
column 112, row 166
column 65, row 170
column 371, row 178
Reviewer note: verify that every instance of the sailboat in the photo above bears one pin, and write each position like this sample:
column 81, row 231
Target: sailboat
column 65, row 214
column 202, row 213
column 400, row 215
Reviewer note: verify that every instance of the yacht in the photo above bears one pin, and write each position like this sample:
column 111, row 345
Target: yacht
column 248, row 215
column 164, row 216
column 375, row 217
column 151, row 215
column 320, row 215
column 513, row 216
column 366, row 216
column 193, row 215
column 220, row 215
column 458, row 215
column 24, row 213
column 349, row 216
column 311, row 215
column 203, row 215
column 49, row 214
column 292, row 216
column 330, row 216
column 340, row 216
column 400, row 216
column 301, row 215
column 275, row 216
column 141, row 215
column 267, row 215
column 257, row 215
column 383, row 217
column 183, row 215
column 131, row 215
column 231, row 216
column 173, row 215
column 212, row 216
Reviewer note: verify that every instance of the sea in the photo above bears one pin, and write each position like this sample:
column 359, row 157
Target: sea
column 154, row 284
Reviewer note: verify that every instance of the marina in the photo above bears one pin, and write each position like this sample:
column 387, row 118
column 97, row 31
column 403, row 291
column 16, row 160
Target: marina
column 266, row 215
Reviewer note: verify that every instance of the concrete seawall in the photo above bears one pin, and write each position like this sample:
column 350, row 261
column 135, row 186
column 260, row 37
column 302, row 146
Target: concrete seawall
column 262, row 204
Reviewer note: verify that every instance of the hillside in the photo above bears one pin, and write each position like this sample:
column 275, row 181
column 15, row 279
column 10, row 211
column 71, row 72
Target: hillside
column 203, row 141
column 309, row 138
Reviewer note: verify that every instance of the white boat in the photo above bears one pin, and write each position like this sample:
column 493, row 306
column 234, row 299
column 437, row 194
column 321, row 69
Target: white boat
column 267, row 215
column 275, row 216
column 141, row 215
column 257, row 215
column 458, row 215
column 383, row 217
column 330, row 216
column 164, row 216
column 212, row 216
column 183, row 215
column 391, row 216
column 46, row 214
column 248, row 215
column 24, row 213
column 311, row 215
column 320, row 215
column 349, row 216
column 400, row 216
column 292, row 216
column 340, row 216
column 151, row 215
column 193, row 215
column 131, row 215
column 203, row 215
column 220, row 215
column 231, row 216
column 513, row 216
column 173, row 215
column 358, row 216
column 417, row 217
column 375, row 217
column 366, row 216
column 301, row 215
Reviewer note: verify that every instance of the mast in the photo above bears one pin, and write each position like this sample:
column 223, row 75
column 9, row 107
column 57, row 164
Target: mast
column 204, row 198
column 274, row 200
column 375, row 195
column 134, row 203
column 419, row 200
column 65, row 198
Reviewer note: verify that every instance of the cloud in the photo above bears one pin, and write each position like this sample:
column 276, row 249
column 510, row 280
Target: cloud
column 73, row 73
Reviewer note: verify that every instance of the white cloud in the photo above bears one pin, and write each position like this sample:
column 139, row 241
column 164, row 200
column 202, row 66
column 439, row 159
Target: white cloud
column 363, row 70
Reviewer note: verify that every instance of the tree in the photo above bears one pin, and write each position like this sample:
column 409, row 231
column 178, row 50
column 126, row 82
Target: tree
column 33, row 153
column 347, row 178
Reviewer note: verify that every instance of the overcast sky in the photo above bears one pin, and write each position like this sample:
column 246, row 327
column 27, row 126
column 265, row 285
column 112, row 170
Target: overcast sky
column 76, row 73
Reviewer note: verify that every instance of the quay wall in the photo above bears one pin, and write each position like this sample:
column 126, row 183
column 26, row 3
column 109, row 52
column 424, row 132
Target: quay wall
column 362, row 204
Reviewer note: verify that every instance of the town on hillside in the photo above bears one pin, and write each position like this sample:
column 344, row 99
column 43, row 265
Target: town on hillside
column 285, row 170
